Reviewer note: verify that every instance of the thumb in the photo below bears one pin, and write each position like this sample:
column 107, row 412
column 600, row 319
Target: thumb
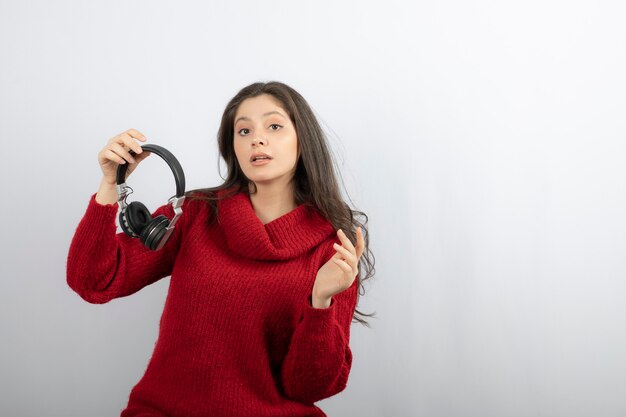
column 143, row 155
column 138, row 158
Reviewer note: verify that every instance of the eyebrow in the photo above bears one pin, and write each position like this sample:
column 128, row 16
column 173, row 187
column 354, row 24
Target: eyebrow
column 264, row 115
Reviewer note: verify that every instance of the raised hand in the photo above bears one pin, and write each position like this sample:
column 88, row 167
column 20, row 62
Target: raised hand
column 117, row 152
column 340, row 271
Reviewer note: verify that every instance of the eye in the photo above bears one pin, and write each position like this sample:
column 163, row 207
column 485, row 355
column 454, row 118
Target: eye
column 240, row 130
column 274, row 124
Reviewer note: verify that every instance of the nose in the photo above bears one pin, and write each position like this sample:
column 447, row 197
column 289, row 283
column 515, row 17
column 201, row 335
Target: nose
column 258, row 141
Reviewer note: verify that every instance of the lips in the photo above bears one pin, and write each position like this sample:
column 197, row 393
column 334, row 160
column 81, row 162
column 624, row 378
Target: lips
column 260, row 156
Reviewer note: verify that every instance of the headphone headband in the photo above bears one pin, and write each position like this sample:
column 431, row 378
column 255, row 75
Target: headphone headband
column 177, row 170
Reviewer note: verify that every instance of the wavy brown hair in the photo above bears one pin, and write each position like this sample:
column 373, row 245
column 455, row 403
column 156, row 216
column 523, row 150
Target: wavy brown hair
column 315, row 177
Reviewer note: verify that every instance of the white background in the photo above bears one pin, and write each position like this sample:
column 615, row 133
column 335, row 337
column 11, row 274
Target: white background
column 485, row 140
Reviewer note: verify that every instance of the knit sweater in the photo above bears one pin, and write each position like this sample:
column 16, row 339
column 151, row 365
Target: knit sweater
column 238, row 335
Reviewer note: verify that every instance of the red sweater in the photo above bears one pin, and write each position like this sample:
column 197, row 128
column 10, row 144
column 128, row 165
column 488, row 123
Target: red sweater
column 238, row 335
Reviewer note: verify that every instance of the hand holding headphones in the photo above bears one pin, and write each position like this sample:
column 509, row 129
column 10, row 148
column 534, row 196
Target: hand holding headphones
column 135, row 218
column 117, row 152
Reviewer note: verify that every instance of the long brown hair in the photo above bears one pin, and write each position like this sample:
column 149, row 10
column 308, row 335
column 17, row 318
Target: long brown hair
column 315, row 178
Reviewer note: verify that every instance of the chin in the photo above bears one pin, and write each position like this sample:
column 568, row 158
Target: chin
column 266, row 177
column 262, row 180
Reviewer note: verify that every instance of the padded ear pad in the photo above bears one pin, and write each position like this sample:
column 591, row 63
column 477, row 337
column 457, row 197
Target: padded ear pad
column 137, row 216
column 153, row 232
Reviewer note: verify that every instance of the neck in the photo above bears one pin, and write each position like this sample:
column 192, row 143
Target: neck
column 272, row 201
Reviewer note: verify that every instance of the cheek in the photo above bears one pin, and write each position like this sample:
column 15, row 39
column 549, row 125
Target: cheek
column 294, row 148
column 238, row 150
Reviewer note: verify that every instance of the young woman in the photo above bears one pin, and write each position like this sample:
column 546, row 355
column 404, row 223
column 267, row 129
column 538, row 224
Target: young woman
column 265, row 269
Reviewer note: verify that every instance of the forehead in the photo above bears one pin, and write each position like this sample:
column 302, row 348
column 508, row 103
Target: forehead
column 257, row 107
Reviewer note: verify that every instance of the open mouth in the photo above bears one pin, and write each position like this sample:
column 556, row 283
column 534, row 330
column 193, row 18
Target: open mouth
column 260, row 158
column 260, row 161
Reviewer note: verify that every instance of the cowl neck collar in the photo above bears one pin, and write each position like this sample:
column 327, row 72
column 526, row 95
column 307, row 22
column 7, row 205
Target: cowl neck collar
column 285, row 237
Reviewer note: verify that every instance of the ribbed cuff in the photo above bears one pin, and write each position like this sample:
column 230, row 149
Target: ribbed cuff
column 92, row 200
column 318, row 320
column 100, row 213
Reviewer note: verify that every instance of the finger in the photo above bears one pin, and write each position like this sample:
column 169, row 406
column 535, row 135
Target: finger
column 109, row 154
column 349, row 273
column 138, row 159
column 142, row 156
column 343, row 265
column 360, row 243
column 136, row 134
column 130, row 143
column 349, row 256
column 346, row 242
column 119, row 149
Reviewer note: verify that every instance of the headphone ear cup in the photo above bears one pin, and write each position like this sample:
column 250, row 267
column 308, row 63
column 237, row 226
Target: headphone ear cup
column 136, row 218
column 124, row 224
column 153, row 232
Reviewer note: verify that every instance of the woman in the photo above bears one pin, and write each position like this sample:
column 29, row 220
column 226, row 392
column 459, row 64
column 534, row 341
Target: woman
column 264, row 273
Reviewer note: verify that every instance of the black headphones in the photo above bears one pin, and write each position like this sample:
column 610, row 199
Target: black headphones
column 135, row 218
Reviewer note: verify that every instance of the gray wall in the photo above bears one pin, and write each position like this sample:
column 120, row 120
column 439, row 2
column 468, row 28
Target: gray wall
column 485, row 140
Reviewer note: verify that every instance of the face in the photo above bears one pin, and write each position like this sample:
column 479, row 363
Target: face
column 263, row 126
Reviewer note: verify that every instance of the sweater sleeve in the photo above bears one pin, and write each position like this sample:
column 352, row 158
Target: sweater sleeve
column 103, row 265
column 319, row 359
